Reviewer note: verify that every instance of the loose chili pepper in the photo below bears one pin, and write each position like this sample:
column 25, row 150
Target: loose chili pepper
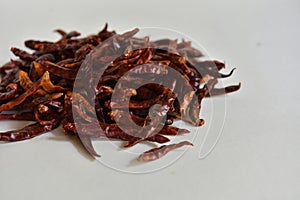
column 157, row 153
column 27, row 132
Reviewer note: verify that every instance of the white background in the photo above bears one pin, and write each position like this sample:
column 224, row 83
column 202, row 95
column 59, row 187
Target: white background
column 258, row 155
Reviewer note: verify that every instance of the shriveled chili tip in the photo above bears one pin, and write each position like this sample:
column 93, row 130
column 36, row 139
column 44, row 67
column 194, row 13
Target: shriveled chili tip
column 221, row 91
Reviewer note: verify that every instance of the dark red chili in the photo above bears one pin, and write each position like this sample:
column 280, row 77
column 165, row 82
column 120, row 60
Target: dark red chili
column 42, row 83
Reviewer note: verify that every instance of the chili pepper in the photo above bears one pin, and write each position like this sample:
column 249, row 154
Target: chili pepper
column 220, row 91
column 12, row 91
column 157, row 153
column 26, row 116
column 27, row 132
column 20, row 98
column 9, row 77
column 63, row 72
column 111, row 131
column 104, row 33
column 10, row 65
column 35, row 45
column 23, row 54
column 155, row 138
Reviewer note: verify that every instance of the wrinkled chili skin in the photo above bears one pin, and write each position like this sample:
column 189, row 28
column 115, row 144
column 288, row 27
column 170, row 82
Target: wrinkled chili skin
column 157, row 153
column 42, row 83
column 27, row 132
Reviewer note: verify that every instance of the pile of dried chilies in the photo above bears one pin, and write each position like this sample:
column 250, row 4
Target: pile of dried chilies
column 39, row 87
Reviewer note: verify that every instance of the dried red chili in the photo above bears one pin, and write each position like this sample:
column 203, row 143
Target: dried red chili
column 42, row 82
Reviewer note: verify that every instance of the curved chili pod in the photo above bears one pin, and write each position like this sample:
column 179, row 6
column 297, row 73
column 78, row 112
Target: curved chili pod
column 23, row 54
column 12, row 90
column 49, row 86
column 26, row 133
column 20, row 98
column 157, row 153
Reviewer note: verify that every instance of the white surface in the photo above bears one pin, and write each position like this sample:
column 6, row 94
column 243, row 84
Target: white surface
column 258, row 156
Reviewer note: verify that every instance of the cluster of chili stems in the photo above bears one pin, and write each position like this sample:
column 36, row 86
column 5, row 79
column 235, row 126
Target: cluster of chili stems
column 38, row 87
